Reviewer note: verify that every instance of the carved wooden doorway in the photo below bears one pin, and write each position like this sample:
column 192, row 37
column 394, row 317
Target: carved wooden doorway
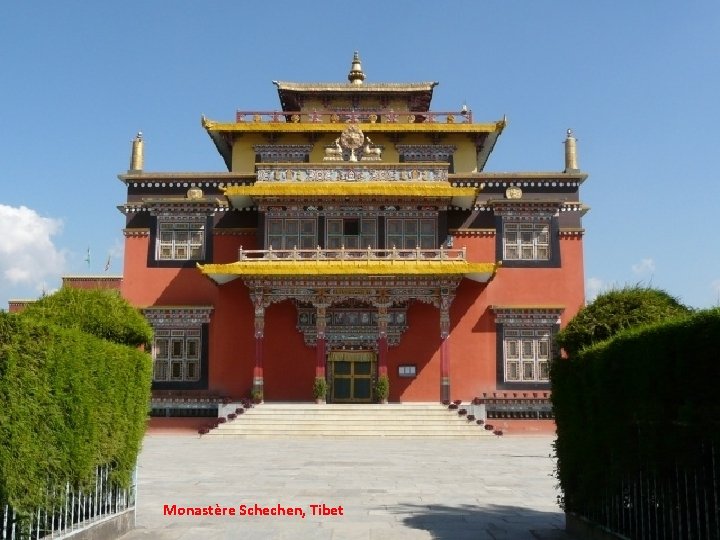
column 351, row 375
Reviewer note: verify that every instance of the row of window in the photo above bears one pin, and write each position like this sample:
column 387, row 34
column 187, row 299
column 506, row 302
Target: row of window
column 526, row 355
column 183, row 241
column 353, row 233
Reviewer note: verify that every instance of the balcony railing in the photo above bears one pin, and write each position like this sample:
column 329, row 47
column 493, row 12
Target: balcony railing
column 342, row 254
column 349, row 116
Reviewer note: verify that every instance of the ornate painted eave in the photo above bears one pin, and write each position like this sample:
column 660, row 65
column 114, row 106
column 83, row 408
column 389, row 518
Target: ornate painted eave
column 178, row 204
column 517, row 178
column 182, row 178
column 223, row 273
column 401, row 126
column 243, row 196
column 291, row 93
column 365, row 87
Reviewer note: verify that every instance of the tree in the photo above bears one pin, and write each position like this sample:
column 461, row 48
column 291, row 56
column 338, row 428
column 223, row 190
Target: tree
column 617, row 310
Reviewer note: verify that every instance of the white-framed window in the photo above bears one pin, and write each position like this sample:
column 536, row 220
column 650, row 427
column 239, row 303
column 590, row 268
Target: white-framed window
column 180, row 240
column 526, row 354
column 291, row 233
column 407, row 370
column 176, row 355
column 410, row 233
column 529, row 241
column 353, row 233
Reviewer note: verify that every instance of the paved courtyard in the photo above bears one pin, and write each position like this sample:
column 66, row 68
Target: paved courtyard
column 376, row 489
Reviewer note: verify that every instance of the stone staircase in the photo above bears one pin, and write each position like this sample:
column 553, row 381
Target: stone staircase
column 391, row 421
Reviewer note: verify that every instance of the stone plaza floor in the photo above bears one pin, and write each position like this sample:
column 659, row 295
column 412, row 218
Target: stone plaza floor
column 499, row 487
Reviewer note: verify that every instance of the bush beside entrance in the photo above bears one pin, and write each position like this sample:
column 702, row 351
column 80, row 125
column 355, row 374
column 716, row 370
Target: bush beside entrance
column 69, row 401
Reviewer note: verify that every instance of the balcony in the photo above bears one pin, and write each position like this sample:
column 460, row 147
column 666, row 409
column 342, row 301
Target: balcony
column 319, row 262
column 342, row 254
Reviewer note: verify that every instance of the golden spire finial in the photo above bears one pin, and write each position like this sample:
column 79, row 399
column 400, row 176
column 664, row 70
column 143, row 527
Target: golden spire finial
column 571, row 163
column 356, row 75
column 136, row 157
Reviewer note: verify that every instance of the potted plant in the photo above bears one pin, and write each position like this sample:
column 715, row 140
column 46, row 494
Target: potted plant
column 382, row 388
column 320, row 389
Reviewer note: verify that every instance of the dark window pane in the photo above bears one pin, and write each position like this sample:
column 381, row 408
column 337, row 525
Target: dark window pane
column 342, row 368
column 342, row 388
column 362, row 368
column 362, row 388
column 351, row 227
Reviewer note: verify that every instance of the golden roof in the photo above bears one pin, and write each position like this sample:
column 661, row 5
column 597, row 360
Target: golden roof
column 243, row 196
column 349, row 87
column 223, row 273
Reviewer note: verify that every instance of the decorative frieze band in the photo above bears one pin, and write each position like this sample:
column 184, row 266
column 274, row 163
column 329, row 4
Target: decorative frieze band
column 177, row 316
column 377, row 292
column 136, row 233
column 425, row 152
column 473, row 233
column 284, row 153
column 351, row 174
column 528, row 315
column 227, row 231
column 572, row 233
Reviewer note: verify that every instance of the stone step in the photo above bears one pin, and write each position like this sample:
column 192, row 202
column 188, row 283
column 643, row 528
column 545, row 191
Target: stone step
column 247, row 426
column 340, row 435
column 401, row 421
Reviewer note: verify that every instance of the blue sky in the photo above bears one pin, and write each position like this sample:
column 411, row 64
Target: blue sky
column 639, row 83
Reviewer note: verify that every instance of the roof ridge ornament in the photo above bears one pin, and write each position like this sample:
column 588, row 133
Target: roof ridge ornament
column 356, row 75
column 571, row 162
column 137, row 155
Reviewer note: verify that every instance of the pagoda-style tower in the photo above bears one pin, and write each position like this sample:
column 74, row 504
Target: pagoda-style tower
column 355, row 235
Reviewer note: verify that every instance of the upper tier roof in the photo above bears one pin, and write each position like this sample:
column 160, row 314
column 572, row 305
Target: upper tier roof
column 291, row 94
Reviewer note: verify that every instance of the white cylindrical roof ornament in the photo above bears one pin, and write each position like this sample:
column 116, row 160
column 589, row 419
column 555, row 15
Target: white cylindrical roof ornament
column 136, row 156
column 571, row 163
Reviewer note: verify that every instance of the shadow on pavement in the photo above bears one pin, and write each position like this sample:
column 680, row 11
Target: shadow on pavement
column 494, row 522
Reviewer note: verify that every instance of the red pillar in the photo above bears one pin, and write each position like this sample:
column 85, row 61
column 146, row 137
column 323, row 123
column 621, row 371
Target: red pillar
column 445, row 301
column 320, row 357
column 320, row 346
column 258, row 380
column 382, row 355
column 258, row 387
column 444, row 370
column 382, row 340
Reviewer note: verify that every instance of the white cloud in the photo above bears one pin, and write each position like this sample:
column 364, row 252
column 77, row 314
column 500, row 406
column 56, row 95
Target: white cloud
column 715, row 286
column 644, row 268
column 593, row 287
column 27, row 252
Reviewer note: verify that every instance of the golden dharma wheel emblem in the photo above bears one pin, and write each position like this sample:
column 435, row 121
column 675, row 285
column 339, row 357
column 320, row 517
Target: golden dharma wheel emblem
column 513, row 193
column 352, row 137
column 194, row 193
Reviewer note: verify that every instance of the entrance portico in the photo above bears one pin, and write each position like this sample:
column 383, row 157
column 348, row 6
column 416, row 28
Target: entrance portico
column 349, row 316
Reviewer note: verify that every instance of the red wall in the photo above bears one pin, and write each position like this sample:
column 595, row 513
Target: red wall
column 289, row 365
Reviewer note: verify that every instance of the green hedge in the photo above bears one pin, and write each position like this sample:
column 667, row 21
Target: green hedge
column 617, row 310
column 643, row 399
column 103, row 313
column 69, row 402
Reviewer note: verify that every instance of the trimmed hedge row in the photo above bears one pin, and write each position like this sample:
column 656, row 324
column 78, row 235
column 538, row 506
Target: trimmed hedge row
column 102, row 313
column 617, row 310
column 69, row 402
column 641, row 400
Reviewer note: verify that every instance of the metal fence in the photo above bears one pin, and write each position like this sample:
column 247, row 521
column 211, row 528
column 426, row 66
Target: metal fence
column 678, row 502
column 78, row 510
